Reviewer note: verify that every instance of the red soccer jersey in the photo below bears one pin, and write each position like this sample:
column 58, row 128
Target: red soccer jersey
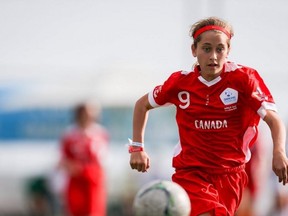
column 85, row 145
column 217, row 120
column 86, row 191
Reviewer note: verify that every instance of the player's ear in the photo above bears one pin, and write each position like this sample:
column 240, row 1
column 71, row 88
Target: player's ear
column 228, row 52
column 193, row 49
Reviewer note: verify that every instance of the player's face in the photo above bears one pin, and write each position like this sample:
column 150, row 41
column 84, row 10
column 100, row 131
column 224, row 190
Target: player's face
column 211, row 52
column 86, row 116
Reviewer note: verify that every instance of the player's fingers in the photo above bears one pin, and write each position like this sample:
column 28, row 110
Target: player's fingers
column 145, row 166
column 148, row 163
column 140, row 167
column 284, row 177
column 278, row 174
column 133, row 164
column 280, row 179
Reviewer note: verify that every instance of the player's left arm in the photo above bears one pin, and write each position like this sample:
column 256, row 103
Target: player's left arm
column 278, row 133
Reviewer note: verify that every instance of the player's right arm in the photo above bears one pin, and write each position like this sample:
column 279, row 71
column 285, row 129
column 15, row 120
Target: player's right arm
column 278, row 132
column 140, row 160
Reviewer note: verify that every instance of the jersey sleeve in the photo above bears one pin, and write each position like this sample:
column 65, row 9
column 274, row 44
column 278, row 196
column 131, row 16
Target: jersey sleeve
column 161, row 95
column 260, row 96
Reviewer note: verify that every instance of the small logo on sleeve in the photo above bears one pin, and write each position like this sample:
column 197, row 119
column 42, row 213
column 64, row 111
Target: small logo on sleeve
column 259, row 95
column 157, row 90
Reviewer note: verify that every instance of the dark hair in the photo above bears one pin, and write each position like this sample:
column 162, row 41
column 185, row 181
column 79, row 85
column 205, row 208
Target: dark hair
column 78, row 110
column 210, row 21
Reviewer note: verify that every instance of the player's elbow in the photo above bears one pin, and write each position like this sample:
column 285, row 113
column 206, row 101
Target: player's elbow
column 143, row 103
column 274, row 121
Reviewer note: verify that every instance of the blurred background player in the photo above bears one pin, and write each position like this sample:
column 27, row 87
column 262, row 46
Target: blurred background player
column 253, row 170
column 83, row 146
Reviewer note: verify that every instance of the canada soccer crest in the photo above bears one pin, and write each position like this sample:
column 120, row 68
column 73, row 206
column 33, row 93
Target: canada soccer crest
column 229, row 96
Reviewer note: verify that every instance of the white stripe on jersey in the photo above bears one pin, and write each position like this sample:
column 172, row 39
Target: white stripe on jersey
column 151, row 100
column 266, row 106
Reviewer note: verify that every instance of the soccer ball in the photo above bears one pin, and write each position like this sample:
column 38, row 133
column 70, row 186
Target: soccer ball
column 161, row 198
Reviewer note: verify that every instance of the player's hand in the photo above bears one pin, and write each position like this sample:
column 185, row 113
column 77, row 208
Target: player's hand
column 139, row 161
column 280, row 167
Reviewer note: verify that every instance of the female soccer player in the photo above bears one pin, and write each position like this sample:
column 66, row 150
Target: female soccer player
column 219, row 105
column 83, row 145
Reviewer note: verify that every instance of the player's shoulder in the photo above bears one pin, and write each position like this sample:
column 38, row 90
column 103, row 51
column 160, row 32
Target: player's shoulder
column 99, row 130
column 181, row 74
column 70, row 130
column 99, row 127
column 239, row 69
column 68, row 134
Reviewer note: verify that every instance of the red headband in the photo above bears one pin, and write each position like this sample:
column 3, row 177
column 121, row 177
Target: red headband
column 211, row 27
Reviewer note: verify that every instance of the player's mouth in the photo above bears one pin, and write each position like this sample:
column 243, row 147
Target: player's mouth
column 213, row 65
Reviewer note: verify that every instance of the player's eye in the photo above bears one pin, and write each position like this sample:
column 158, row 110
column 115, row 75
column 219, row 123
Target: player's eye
column 220, row 49
column 206, row 49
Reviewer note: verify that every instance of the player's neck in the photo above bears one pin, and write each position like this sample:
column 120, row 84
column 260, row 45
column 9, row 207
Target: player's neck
column 84, row 125
column 210, row 76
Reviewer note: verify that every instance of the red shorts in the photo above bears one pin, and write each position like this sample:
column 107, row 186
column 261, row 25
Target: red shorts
column 86, row 198
column 211, row 191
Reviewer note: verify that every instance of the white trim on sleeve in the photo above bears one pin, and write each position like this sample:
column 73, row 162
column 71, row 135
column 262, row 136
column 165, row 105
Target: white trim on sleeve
column 266, row 106
column 269, row 106
column 177, row 149
column 151, row 100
